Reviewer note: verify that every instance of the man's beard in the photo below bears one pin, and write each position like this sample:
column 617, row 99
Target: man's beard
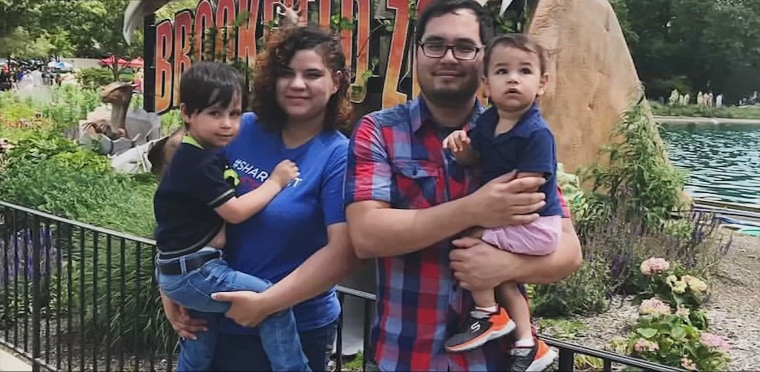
column 452, row 96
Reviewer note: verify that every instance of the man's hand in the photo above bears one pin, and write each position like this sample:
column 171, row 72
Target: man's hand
column 247, row 308
column 180, row 320
column 506, row 200
column 479, row 265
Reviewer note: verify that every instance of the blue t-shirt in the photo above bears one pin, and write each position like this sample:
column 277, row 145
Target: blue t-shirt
column 527, row 147
column 190, row 189
column 293, row 226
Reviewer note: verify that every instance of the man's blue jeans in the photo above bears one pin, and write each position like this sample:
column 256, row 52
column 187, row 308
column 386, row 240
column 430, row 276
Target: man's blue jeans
column 193, row 290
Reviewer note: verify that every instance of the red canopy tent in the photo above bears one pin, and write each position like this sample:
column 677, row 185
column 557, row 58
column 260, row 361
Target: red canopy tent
column 110, row 61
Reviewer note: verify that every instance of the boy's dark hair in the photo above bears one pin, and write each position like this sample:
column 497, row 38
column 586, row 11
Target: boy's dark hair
column 274, row 62
column 519, row 41
column 207, row 84
column 441, row 7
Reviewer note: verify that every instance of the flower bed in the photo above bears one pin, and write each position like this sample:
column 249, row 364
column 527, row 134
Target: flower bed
column 672, row 325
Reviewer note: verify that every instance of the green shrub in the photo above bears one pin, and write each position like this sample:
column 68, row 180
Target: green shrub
column 585, row 292
column 662, row 336
column 69, row 105
column 52, row 174
column 626, row 218
column 95, row 77
column 638, row 183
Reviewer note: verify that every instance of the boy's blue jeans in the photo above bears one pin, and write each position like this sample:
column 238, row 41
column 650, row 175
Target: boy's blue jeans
column 193, row 290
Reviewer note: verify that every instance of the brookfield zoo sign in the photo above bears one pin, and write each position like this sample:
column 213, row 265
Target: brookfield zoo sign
column 375, row 37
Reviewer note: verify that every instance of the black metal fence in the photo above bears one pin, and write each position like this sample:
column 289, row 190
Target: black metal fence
column 77, row 297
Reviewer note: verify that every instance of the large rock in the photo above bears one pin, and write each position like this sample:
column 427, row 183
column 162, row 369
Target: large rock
column 592, row 78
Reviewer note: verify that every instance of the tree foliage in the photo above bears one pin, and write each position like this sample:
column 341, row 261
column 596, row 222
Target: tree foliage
column 81, row 28
column 694, row 45
column 690, row 45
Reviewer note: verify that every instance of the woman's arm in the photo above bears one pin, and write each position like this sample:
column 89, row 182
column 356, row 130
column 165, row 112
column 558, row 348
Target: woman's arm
column 325, row 268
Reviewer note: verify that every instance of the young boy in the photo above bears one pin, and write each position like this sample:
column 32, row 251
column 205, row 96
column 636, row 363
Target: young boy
column 192, row 204
column 511, row 136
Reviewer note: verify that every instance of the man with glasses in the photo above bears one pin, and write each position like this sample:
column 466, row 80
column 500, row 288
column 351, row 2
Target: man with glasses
column 406, row 198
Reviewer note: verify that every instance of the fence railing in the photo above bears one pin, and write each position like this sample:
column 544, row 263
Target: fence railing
column 78, row 297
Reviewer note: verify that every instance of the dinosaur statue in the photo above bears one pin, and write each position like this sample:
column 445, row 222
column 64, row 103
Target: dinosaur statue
column 118, row 129
column 118, row 95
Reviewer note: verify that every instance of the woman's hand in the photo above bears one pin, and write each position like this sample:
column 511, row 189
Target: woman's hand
column 180, row 320
column 246, row 308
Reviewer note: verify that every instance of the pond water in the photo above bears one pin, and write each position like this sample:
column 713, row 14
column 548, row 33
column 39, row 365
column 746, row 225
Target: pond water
column 723, row 160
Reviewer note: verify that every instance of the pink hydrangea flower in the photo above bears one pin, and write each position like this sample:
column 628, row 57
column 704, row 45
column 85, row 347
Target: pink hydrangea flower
column 688, row 364
column 683, row 312
column 645, row 345
column 654, row 265
column 654, row 306
column 714, row 341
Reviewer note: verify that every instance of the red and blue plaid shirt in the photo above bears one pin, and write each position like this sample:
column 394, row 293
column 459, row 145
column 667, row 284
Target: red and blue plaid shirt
column 395, row 156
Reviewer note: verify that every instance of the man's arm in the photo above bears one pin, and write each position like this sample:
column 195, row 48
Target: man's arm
column 554, row 267
column 377, row 230
column 481, row 266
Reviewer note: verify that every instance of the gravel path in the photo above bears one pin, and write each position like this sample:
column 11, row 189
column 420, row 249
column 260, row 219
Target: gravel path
column 732, row 308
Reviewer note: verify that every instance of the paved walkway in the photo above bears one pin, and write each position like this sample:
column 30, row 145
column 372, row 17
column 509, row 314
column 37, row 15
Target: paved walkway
column 9, row 363
column 699, row 120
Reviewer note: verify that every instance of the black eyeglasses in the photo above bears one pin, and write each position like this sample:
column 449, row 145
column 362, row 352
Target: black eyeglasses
column 438, row 50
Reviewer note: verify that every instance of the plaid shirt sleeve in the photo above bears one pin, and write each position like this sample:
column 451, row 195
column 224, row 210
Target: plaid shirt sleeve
column 368, row 173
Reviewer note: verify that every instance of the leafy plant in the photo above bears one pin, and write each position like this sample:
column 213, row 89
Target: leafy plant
column 584, row 292
column 674, row 286
column 638, row 182
column 664, row 337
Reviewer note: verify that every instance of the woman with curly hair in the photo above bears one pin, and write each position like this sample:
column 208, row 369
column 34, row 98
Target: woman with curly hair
column 299, row 241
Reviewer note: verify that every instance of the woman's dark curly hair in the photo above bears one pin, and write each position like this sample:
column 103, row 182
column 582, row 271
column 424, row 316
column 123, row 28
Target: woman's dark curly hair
column 274, row 62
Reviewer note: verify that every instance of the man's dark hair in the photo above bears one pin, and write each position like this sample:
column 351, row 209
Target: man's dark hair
column 519, row 41
column 440, row 7
column 207, row 84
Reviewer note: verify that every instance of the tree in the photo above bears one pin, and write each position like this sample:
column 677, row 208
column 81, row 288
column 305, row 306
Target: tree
column 693, row 45
column 21, row 44
column 91, row 26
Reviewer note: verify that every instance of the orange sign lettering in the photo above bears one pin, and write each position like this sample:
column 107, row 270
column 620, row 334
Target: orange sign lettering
column 186, row 36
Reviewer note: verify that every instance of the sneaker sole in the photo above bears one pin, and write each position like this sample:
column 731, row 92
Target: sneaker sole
column 482, row 339
column 542, row 363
